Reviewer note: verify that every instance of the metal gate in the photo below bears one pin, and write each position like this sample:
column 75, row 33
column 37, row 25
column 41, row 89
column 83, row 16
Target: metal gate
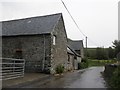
column 11, row 68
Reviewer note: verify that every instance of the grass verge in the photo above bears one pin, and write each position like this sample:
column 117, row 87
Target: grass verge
column 96, row 62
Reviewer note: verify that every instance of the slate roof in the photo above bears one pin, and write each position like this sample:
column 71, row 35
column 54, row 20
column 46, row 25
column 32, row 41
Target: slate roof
column 71, row 51
column 75, row 44
column 33, row 25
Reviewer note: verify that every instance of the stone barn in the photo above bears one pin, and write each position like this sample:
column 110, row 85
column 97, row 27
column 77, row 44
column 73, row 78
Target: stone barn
column 77, row 46
column 41, row 41
column 78, row 49
column 73, row 59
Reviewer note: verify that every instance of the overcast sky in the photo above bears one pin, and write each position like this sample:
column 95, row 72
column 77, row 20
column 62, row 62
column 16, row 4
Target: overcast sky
column 97, row 19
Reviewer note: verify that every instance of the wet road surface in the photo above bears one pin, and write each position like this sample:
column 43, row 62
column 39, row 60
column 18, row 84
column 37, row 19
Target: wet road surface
column 88, row 78
column 91, row 78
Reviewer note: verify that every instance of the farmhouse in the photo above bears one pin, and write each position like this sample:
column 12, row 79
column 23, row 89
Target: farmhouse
column 41, row 41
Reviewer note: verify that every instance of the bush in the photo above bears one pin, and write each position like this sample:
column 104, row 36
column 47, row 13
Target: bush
column 84, row 60
column 114, row 81
column 83, row 64
column 59, row 69
column 112, row 76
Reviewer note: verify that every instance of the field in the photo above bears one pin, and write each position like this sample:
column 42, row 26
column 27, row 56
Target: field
column 92, row 62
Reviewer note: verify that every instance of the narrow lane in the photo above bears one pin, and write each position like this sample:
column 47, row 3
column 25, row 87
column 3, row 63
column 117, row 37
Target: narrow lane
column 91, row 78
column 88, row 78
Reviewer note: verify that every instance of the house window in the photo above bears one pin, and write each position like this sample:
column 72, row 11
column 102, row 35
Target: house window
column 54, row 40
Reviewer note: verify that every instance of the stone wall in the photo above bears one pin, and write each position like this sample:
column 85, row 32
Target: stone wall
column 109, row 69
column 34, row 49
column 71, row 62
column 59, row 50
column 82, row 52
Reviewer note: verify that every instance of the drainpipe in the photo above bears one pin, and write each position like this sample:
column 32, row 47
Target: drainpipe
column 43, row 66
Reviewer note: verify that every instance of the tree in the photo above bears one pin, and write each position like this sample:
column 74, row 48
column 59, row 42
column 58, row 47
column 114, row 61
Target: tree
column 111, row 53
column 91, row 53
column 116, row 45
column 101, row 53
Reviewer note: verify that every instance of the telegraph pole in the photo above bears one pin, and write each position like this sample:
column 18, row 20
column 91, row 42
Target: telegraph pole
column 86, row 42
column 86, row 46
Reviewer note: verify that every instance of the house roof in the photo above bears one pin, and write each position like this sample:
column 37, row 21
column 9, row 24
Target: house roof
column 71, row 51
column 75, row 44
column 33, row 25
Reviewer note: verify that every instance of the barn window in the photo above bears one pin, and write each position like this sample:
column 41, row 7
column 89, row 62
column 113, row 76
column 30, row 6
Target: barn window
column 75, row 57
column 54, row 40
column 68, row 58
column 18, row 54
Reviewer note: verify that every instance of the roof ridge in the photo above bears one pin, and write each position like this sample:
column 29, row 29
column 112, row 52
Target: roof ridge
column 32, row 17
column 56, row 22
column 74, row 40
